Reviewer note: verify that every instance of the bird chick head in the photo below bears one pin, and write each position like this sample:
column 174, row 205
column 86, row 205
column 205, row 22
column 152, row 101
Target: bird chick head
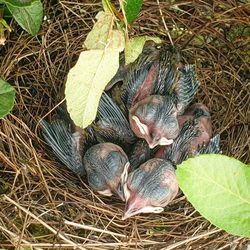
column 155, row 120
column 107, row 167
column 150, row 188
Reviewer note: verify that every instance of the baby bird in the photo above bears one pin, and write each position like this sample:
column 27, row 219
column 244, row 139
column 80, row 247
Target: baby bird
column 107, row 167
column 153, row 72
column 196, row 132
column 155, row 120
column 155, row 117
column 198, row 113
column 150, row 188
column 105, row 164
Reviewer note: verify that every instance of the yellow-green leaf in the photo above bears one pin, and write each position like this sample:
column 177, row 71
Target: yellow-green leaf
column 103, row 35
column 134, row 47
column 86, row 82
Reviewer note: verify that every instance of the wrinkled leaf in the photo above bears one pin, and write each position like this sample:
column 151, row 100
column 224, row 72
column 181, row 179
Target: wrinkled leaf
column 7, row 98
column 103, row 36
column 17, row 3
column 135, row 45
column 132, row 9
column 219, row 188
column 28, row 17
column 86, row 82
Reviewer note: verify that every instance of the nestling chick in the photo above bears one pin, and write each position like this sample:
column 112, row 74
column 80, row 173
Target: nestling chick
column 155, row 117
column 140, row 75
column 153, row 72
column 155, row 120
column 150, row 188
column 107, row 166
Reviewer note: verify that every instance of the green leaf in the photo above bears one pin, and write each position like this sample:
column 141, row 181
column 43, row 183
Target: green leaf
column 132, row 9
column 219, row 188
column 103, row 36
column 7, row 98
column 28, row 17
column 17, row 3
column 86, row 82
column 135, row 45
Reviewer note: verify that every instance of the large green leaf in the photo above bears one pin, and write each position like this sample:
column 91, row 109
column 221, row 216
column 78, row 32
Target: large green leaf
column 7, row 98
column 86, row 82
column 134, row 47
column 132, row 9
column 28, row 17
column 219, row 188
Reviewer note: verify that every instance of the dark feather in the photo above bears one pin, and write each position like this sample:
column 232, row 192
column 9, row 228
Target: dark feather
column 186, row 88
column 213, row 146
column 179, row 150
column 65, row 144
column 167, row 71
column 113, row 125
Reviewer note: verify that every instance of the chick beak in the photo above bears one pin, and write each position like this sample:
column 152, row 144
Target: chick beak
column 120, row 188
column 132, row 208
column 142, row 127
column 139, row 206
column 162, row 142
column 120, row 192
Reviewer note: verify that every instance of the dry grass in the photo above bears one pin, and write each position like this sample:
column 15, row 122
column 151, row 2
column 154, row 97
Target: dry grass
column 43, row 205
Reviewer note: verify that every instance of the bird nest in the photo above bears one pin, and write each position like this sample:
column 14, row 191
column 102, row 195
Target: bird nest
column 43, row 204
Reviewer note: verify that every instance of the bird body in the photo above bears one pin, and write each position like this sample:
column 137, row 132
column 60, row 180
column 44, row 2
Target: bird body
column 150, row 188
column 112, row 125
column 107, row 168
column 155, row 120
